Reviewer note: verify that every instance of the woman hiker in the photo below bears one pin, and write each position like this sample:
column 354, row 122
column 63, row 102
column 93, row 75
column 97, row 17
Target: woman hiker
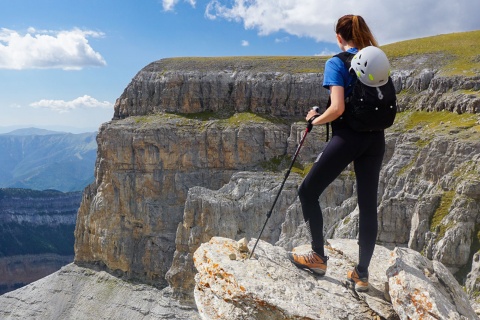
column 365, row 149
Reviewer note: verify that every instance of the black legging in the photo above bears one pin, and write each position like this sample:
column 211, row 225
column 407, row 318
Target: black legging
column 366, row 150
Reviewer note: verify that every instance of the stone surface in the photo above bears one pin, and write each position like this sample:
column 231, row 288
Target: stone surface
column 423, row 289
column 129, row 216
column 237, row 210
column 472, row 283
column 265, row 86
column 186, row 86
column 268, row 286
column 78, row 293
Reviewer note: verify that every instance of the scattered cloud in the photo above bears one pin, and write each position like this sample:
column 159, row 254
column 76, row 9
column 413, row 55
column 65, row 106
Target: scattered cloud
column 63, row 106
column 169, row 5
column 46, row 49
column 282, row 40
column 326, row 52
column 245, row 43
column 390, row 21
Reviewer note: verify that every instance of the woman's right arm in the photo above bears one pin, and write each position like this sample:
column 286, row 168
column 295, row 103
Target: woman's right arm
column 336, row 109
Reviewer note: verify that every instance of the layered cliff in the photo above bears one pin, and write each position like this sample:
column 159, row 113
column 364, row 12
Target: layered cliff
column 177, row 126
column 36, row 234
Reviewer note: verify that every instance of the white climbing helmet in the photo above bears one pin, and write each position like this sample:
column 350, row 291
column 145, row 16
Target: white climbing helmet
column 371, row 66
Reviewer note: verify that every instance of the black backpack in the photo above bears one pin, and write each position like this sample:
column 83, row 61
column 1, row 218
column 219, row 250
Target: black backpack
column 367, row 108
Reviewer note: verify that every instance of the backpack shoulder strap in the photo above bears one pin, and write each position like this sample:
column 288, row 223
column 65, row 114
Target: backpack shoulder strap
column 346, row 58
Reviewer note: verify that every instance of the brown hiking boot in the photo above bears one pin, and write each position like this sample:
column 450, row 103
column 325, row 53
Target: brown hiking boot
column 359, row 283
column 311, row 261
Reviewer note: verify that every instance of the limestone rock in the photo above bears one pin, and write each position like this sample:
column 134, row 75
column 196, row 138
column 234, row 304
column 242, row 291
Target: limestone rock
column 80, row 293
column 472, row 284
column 428, row 195
column 237, row 210
column 254, row 85
column 128, row 218
column 421, row 289
column 269, row 286
column 173, row 85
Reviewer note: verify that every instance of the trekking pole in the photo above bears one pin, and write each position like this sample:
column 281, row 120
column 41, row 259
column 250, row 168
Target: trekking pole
column 307, row 130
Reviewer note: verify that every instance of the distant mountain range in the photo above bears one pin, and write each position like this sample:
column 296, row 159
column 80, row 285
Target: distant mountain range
column 41, row 159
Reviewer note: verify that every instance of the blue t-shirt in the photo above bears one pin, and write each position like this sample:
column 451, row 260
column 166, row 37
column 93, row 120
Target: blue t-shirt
column 335, row 73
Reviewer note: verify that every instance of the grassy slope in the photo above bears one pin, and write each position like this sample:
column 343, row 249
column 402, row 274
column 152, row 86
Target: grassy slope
column 456, row 54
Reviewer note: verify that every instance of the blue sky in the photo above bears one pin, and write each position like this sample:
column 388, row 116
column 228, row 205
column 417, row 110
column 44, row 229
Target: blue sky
column 63, row 63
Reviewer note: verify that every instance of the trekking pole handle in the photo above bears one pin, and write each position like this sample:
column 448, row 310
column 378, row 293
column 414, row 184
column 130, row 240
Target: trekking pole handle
column 310, row 125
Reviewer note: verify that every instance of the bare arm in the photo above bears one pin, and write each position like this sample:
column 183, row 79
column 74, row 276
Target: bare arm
column 334, row 111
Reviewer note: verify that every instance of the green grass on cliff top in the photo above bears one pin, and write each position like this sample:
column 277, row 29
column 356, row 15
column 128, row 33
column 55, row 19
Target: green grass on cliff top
column 286, row 64
column 452, row 54
column 436, row 121
column 460, row 51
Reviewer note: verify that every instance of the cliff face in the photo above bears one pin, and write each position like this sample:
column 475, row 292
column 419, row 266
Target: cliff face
column 191, row 85
column 128, row 219
column 167, row 178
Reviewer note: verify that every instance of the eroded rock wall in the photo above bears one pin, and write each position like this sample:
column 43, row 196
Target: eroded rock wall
column 134, row 219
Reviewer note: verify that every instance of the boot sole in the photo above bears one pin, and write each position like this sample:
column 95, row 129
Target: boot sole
column 353, row 285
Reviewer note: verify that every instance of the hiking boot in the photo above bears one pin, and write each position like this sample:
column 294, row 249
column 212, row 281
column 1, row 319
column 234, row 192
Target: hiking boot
column 360, row 283
column 311, row 261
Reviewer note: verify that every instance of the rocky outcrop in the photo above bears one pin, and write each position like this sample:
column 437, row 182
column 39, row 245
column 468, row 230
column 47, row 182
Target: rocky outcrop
column 267, row 85
column 420, row 288
column 408, row 286
column 128, row 219
column 277, row 87
column 236, row 210
column 229, row 285
column 428, row 201
column 82, row 293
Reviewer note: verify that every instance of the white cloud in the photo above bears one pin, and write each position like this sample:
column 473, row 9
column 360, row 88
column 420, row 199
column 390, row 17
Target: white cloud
column 62, row 106
column 68, row 50
column 389, row 20
column 281, row 40
column 245, row 43
column 169, row 5
column 326, row 52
